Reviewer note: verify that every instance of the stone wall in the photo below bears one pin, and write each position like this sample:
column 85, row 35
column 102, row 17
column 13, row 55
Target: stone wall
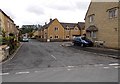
column 4, row 52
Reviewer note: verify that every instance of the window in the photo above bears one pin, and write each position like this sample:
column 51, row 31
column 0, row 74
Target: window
column 56, row 29
column 56, row 36
column 93, row 34
column 8, row 24
column 0, row 27
column 113, row 13
column 51, row 37
column 91, row 18
column 67, row 36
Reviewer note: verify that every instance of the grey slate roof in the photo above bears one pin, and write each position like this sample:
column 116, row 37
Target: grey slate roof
column 70, row 25
column 80, row 25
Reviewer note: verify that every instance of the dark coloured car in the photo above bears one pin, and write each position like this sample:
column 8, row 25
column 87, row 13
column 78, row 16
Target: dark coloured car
column 82, row 41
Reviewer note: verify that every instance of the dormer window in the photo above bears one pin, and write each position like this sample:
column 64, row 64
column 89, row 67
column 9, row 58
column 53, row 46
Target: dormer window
column 67, row 28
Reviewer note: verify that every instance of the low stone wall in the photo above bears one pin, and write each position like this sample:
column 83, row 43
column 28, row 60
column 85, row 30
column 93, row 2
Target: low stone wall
column 4, row 52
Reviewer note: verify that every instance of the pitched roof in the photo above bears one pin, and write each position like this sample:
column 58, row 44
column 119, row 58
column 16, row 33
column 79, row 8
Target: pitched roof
column 81, row 25
column 87, row 10
column 47, row 25
column 6, row 15
column 70, row 25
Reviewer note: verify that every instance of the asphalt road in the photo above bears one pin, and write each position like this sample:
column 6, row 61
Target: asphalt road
column 49, row 61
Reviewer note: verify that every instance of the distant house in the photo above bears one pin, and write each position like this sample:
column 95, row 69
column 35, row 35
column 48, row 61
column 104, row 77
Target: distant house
column 7, row 24
column 59, row 31
column 101, row 23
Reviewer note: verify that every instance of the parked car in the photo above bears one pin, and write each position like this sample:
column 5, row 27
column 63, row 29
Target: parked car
column 82, row 41
column 25, row 39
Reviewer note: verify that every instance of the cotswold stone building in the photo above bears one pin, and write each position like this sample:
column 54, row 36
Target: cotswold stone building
column 59, row 31
column 7, row 24
column 101, row 23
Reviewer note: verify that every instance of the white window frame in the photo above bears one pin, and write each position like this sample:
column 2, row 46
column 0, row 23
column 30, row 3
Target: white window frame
column 113, row 13
column 67, row 36
column 93, row 34
column 56, row 36
column 56, row 28
column 91, row 18
column 0, row 26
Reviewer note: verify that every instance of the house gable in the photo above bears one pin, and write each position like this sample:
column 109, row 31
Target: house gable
column 100, row 26
column 55, row 29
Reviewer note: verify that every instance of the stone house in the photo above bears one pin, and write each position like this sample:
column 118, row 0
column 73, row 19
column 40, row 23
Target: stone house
column 101, row 23
column 59, row 31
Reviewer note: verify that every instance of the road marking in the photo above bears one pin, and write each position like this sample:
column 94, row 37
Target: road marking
column 68, row 69
column 95, row 53
column 98, row 65
column 22, row 72
column 53, row 57
column 114, row 64
column 38, row 71
column 106, row 67
column 70, row 66
column 4, row 74
column 116, row 67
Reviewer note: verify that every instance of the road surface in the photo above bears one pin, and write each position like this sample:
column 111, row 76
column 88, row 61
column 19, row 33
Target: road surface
column 51, row 62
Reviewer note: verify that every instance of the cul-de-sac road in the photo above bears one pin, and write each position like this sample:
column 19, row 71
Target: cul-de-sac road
column 51, row 62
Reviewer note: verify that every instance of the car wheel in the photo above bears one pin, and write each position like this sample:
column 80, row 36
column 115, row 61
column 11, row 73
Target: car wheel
column 75, row 44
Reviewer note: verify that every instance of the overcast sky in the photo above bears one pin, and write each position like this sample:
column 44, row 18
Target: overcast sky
column 40, row 11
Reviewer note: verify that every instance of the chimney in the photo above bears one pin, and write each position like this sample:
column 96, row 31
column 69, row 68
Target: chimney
column 45, row 23
column 50, row 19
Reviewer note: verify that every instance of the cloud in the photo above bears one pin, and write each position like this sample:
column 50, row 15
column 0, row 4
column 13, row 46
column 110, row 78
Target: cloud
column 82, row 5
column 36, row 10
column 9, row 13
column 61, row 7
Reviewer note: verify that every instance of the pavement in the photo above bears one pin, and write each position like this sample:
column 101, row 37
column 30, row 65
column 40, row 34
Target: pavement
column 98, row 50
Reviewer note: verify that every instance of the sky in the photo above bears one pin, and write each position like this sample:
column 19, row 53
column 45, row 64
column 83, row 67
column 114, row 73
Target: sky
column 28, row 12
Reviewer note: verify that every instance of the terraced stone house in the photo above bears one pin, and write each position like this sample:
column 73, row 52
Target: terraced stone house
column 59, row 31
column 101, row 23
column 7, row 24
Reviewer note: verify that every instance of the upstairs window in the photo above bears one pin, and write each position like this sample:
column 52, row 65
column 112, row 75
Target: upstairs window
column 113, row 13
column 91, row 18
column 0, row 23
column 0, row 27
column 67, row 28
column 56, row 29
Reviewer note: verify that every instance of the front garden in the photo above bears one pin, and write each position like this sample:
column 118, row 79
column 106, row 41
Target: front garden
column 10, row 41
